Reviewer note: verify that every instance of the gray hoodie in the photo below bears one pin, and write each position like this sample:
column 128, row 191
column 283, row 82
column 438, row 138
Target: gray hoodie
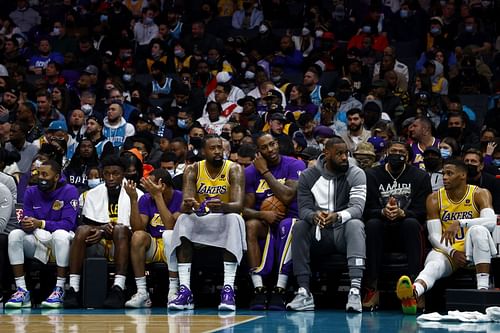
column 321, row 189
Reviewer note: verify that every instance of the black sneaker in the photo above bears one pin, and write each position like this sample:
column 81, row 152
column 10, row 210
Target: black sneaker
column 115, row 299
column 277, row 301
column 71, row 299
column 259, row 300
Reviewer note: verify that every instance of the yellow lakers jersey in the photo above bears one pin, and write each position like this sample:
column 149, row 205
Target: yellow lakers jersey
column 450, row 211
column 207, row 187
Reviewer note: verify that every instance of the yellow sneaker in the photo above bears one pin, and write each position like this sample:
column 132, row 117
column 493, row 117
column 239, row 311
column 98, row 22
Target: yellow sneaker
column 405, row 293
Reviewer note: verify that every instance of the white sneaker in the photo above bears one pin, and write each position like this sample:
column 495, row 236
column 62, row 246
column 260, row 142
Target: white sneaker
column 172, row 294
column 354, row 301
column 139, row 300
column 303, row 301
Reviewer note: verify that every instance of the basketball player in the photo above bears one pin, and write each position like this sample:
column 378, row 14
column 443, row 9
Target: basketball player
column 50, row 212
column 268, row 232
column 460, row 220
column 106, row 232
column 213, row 193
column 152, row 221
column 331, row 198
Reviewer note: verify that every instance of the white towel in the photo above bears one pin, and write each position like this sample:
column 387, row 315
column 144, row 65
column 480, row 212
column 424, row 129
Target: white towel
column 461, row 316
column 42, row 247
column 95, row 207
column 468, row 246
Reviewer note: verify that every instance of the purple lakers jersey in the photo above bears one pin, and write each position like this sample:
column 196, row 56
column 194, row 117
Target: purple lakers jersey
column 147, row 206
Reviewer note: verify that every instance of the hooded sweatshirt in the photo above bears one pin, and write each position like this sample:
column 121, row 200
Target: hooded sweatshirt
column 340, row 192
column 118, row 133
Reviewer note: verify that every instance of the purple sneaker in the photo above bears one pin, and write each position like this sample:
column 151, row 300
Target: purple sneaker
column 227, row 301
column 183, row 300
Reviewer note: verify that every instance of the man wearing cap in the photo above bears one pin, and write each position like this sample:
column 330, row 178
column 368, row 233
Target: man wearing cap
column 93, row 73
column 9, row 103
column 357, row 133
column 365, row 155
column 18, row 143
column 93, row 131
column 421, row 134
column 234, row 94
column 346, row 99
column 116, row 128
column 434, row 165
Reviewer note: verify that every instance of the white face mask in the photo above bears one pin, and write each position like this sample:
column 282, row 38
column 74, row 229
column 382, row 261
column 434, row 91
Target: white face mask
column 93, row 182
column 319, row 33
column 305, row 31
column 249, row 75
column 263, row 29
column 56, row 32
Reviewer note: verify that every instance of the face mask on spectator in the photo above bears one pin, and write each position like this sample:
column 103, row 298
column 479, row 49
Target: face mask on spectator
column 243, row 65
column 404, row 13
column 127, row 77
column 249, row 75
column 148, row 20
column 276, row 78
column 496, row 162
column 182, row 123
column 435, row 31
column 469, row 28
column 263, row 29
column 56, row 32
column 445, row 153
column 179, row 53
column 366, row 29
column 87, row 109
column 93, row 182
column 319, row 33
column 305, row 31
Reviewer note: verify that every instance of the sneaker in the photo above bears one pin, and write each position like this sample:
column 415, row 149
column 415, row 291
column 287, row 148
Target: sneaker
column 172, row 294
column 20, row 299
column 115, row 298
column 55, row 300
column 354, row 301
column 227, row 300
column 183, row 300
column 71, row 299
column 371, row 299
column 139, row 300
column 277, row 300
column 406, row 294
column 259, row 300
column 303, row 301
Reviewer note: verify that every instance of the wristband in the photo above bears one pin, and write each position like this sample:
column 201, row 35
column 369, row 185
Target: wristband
column 265, row 172
column 42, row 224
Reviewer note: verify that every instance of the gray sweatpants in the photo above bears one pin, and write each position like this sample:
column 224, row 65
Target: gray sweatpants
column 348, row 238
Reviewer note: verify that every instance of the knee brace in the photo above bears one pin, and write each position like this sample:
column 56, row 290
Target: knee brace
column 480, row 238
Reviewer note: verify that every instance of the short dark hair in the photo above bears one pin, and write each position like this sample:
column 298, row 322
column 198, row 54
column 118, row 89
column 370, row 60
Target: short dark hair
column 112, row 160
column 210, row 136
column 247, row 150
column 239, row 129
column 475, row 152
column 168, row 156
column 164, row 175
column 354, row 111
column 56, row 167
column 401, row 141
column 335, row 140
column 179, row 140
column 457, row 163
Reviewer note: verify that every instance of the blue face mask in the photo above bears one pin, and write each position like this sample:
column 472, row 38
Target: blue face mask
column 445, row 153
column 435, row 31
column 469, row 28
column 404, row 13
column 182, row 123
column 496, row 163
column 93, row 182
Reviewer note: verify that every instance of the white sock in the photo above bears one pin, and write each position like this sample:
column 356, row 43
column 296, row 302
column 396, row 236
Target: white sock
column 256, row 280
column 483, row 280
column 21, row 282
column 74, row 281
column 354, row 290
column 120, row 281
column 140, row 282
column 282, row 281
column 173, row 283
column 230, row 273
column 185, row 274
column 419, row 289
column 60, row 282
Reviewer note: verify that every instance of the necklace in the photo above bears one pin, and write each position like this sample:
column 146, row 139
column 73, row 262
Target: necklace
column 395, row 179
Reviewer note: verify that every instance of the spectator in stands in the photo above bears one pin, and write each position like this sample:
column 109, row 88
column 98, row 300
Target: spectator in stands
column 199, row 39
column 304, row 42
column 179, row 147
column 270, row 174
column 61, row 42
column 19, row 144
column 218, row 188
column 152, row 221
column 473, row 159
column 46, row 112
column 116, row 129
column 288, row 57
column 50, row 211
column 106, row 216
column 25, row 17
column 145, row 30
column 310, row 82
column 38, row 63
column 329, row 223
column 300, row 102
column 214, row 122
column 235, row 94
column 420, row 132
column 473, row 36
column 356, row 133
column 346, row 99
column 458, row 129
column 247, row 18
column 328, row 115
column 434, row 166
column 85, row 157
column 365, row 155
column 246, row 154
column 395, row 209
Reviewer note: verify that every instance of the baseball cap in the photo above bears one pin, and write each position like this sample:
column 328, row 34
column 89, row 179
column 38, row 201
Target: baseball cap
column 323, row 132
column 223, row 77
column 91, row 69
column 245, row 99
column 4, row 118
column 97, row 117
column 310, row 153
column 365, row 148
column 58, row 125
column 278, row 116
column 378, row 143
column 273, row 93
column 300, row 139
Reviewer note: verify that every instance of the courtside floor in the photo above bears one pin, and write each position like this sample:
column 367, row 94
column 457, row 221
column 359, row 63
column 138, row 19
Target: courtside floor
column 205, row 320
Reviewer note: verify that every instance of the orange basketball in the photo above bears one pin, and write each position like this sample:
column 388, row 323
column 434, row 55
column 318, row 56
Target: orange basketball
column 272, row 203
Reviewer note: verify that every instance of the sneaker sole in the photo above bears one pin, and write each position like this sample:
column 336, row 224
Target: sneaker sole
column 227, row 307
column 47, row 305
column 302, row 308
column 132, row 306
column 404, row 291
column 180, row 307
column 17, row 305
column 259, row 307
column 354, row 310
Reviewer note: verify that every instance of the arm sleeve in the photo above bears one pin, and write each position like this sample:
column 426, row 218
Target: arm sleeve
column 487, row 219
column 69, row 213
column 357, row 196
column 305, row 198
column 435, row 234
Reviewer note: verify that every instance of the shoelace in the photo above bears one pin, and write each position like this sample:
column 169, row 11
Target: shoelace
column 18, row 294
column 56, row 293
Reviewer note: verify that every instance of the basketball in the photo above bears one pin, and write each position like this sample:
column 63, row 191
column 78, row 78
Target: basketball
column 272, row 203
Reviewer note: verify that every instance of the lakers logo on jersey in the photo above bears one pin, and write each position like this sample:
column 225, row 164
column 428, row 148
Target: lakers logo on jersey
column 218, row 186
column 263, row 186
column 156, row 221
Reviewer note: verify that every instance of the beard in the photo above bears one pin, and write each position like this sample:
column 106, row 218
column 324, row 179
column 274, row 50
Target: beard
column 355, row 128
column 217, row 163
column 340, row 167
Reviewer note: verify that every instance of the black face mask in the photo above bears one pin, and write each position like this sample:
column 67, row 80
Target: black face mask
column 431, row 164
column 157, row 77
column 454, row 132
column 472, row 171
column 226, row 136
column 195, row 141
column 396, row 162
column 45, row 185
column 343, row 96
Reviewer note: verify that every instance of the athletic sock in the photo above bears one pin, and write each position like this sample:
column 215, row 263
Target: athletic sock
column 173, row 283
column 140, row 282
column 356, row 283
column 282, row 281
column 185, row 274
column 419, row 289
column 256, row 280
column 120, row 281
column 60, row 282
column 483, row 280
column 21, row 282
column 74, row 281
column 230, row 273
